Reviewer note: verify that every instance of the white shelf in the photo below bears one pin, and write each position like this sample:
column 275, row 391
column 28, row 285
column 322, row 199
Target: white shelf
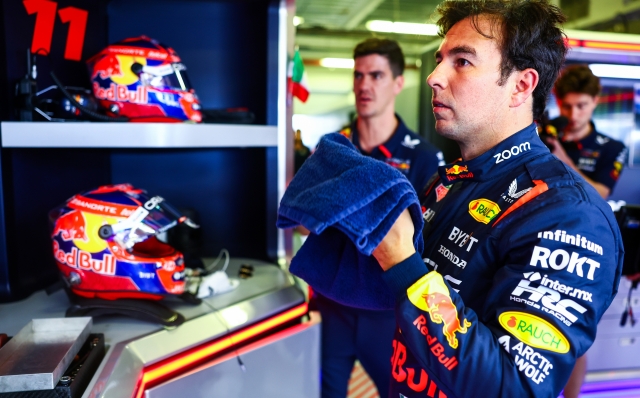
column 134, row 135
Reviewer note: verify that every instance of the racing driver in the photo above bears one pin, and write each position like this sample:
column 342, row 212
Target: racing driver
column 522, row 256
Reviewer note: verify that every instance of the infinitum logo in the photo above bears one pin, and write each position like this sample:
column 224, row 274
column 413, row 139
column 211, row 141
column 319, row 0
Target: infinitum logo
column 576, row 240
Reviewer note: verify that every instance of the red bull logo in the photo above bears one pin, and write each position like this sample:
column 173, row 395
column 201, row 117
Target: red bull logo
column 107, row 66
column 399, row 165
column 71, row 226
column 457, row 169
column 121, row 93
column 82, row 260
column 431, row 295
column 442, row 310
column 416, row 379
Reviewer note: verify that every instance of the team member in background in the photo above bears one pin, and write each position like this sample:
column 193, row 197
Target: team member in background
column 350, row 333
column 522, row 257
column 596, row 157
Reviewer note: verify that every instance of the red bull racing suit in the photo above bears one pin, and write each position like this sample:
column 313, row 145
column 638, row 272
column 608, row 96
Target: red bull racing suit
column 522, row 257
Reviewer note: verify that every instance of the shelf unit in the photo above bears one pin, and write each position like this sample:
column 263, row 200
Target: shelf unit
column 135, row 135
column 232, row 176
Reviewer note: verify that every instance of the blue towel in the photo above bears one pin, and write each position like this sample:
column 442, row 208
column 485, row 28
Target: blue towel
column 359, row 198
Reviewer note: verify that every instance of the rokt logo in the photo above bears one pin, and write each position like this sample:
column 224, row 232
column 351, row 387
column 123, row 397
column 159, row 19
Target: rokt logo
column 560, row 259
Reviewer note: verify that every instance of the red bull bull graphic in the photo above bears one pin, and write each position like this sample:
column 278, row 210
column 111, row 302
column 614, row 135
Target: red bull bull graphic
column 71, row 226
column 431, row 295
column 457, row 169
column 106, row 67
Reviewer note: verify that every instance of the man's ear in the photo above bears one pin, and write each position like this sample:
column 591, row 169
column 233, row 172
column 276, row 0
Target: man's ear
column 525, row 82
column 398, row 84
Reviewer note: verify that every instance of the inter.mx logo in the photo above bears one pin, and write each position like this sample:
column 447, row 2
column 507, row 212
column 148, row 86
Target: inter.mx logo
column 547, row 299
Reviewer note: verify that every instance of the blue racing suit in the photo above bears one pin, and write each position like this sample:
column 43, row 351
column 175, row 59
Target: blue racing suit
column 522, row 257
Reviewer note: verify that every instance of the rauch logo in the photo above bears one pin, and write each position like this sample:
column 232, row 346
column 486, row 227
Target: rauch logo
column 483, row 210
column 534, row 331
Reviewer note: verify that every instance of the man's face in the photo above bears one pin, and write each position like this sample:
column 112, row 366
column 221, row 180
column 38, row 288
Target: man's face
column 374, row 85
column 467, row 99
column 578, row 108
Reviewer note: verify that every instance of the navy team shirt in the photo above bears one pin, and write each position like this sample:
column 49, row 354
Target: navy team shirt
column 599, row 157
column 405, row 151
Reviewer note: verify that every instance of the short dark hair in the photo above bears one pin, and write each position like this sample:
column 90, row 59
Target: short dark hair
column 577, row 79
column 390, row 49
column 529, row 37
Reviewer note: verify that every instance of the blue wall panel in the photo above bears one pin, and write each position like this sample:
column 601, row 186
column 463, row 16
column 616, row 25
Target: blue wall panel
column 222, row 45
column 226, row 187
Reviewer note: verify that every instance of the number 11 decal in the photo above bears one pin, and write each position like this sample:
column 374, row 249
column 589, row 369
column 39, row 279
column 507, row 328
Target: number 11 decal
column 45, row 11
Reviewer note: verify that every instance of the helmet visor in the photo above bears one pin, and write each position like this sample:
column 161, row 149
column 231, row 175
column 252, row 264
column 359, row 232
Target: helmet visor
column 169, row 76
column 154, row 217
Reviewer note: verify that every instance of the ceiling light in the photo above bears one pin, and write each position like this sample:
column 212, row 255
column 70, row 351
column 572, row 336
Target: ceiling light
column 342, row 63
column 616, row 71
column 298, row 20
column 403, row 27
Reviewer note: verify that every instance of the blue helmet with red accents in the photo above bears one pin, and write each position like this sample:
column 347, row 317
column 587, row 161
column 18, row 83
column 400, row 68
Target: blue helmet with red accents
column 143, row 80
column 105, row 244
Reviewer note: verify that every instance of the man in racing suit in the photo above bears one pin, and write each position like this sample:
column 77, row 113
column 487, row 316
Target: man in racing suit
column 522, row 256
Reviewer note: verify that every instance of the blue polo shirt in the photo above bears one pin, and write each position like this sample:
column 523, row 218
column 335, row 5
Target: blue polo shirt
column 406, row 151
column 599, row 157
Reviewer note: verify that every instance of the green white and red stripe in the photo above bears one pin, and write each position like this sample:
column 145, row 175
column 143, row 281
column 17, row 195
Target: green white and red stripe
column 298, row 78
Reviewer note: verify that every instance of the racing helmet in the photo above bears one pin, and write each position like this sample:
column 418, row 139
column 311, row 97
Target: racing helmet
column 105, row 244
column 143, row 80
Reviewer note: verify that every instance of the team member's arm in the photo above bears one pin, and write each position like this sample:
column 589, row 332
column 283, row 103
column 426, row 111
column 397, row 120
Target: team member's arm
column 561, row 154
column 610, row 164
column 539, row 315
